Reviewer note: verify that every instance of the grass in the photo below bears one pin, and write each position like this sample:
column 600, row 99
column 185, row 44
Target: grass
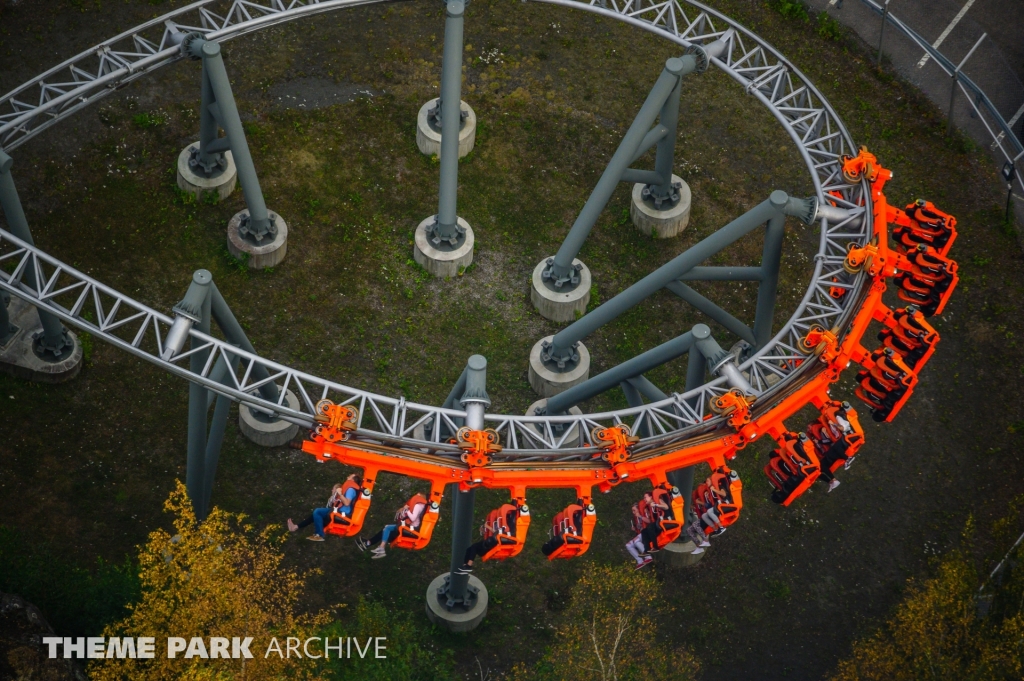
column 553, row 91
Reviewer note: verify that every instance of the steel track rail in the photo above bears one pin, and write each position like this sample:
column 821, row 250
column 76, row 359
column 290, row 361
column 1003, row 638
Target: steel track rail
column 394, row 423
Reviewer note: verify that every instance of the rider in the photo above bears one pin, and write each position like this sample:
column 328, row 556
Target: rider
column 410, row 515
column 646, row 517
column 480, row 548
column 551, row 545
column 343, row 495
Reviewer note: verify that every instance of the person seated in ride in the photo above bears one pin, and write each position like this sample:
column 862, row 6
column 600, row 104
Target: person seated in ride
column 410, row 516
column 829, row 441
column 480, row 548
column 647, row 515
column 575, row 526
column 343, row 495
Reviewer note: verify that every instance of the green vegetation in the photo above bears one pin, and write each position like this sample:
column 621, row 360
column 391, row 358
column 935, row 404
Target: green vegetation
column 77, row 601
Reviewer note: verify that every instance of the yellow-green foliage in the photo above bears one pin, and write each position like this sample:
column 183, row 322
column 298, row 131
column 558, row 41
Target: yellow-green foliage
column 610, row 633
column 218, row 578
column 934, row 633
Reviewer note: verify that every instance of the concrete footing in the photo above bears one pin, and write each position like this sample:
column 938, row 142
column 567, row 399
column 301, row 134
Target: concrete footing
column 276, row 433
column 557, row 305
column 680, row 554
column 258, row 257
column 548, row 383
column 189, row 181
column 661, row 223
column 429, row 140
column 458, row 619
column 17, row 357
column 574, row 438
column 439, row 262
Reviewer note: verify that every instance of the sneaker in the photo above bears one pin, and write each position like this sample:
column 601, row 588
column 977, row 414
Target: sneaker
column 644, row 563
column 704, row 543
column 464, row 570
column 361, row 544
column 848, row 463
column 717, row 532
column 832, row 485
column 315, row 537
column 697, row 551
column 379, row 553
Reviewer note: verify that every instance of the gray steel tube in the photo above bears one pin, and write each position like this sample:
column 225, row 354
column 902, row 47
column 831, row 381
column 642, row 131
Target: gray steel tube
column 663, row 160
column 655, row 357
column 649, row 140
column 564, row 340
column 208, row 159
column 674, row 69
column 236, row 336
column 648, row 389
column 213, row 63
column 475, row 401
column 683, row 477
column 771, row 260
column 53, row 330
column 723, row 274
column 451, row 119
column 195, row 465
column 712, row 310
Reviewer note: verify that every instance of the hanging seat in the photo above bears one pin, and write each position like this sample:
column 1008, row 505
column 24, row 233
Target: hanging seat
column 792, row 467
column 837, row 435
column 575, row 525
column 508, row 524
column 349, row 526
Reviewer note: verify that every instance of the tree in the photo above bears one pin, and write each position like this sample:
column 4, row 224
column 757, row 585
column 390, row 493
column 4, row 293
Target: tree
column 220, row 578
column 935, row 632
column 611, row 633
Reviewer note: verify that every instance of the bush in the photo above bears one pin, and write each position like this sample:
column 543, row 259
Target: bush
column 829, row 28
column 76, row 601
column 791, row 10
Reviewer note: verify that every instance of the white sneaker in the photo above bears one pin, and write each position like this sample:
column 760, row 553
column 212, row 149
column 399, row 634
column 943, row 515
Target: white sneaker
column 832, row 485
column 705, row 543
column 697, row 551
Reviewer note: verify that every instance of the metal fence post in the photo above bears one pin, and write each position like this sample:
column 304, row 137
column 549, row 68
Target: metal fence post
column 881, row 36
column 953, row 86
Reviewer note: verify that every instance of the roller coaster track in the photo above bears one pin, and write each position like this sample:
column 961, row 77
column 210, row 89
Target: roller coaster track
column 780, row 372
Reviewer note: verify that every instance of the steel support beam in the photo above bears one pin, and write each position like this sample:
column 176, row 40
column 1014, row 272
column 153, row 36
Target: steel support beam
column 258, row 226
column 445, row 232
column 711, row 310
column 236, row 336
column 475, row 401
column 767, row 292
column 655, row 357
column 55, row 343
column 196, row 305
column 648, row 389
column 560, row 271
column 560, row 348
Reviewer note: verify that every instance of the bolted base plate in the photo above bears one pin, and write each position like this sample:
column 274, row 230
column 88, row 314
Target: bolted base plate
column 257, row 257
column 429, row 140
column 680, row 554
column 548, row 383
column 661, row 223
column 222, row 185
column 560, row 305
column 455, row 620
column 268, row 433
column 574, row 439
column 441, row 263
column 17, row 357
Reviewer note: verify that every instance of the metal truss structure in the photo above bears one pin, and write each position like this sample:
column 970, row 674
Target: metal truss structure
column 395, row 426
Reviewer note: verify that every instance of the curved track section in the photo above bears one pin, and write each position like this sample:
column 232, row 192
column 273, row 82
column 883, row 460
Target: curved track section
column 780, row 371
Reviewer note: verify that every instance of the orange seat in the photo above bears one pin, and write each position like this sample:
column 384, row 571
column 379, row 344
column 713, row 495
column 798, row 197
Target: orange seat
column 672, row 521
column 510, row 540
column 885, row 384
column 835, row 444
column 408, row 537
column 575, row 540
column 792, row 468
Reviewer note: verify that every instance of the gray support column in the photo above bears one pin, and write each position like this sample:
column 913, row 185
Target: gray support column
column 215, row 439
column 683, row 477
column 446, row 230
column 475, row 401
column 236, row 336
column 634, row 399
column 561, row 347
column 648, row 389
column 560, row 270
column 771, row 259
column 655, row 357
column 664, row 192
column 208, row 161
column 55, row 344
column 258, row 225
column 196, row 306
